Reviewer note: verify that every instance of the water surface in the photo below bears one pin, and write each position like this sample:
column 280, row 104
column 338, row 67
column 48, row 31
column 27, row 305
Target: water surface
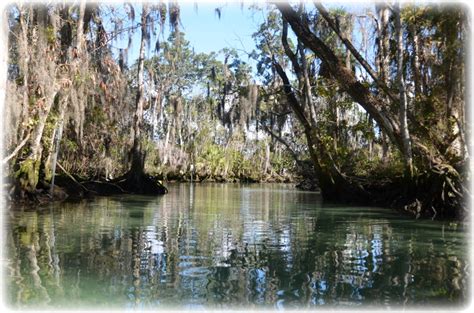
column 231, row 246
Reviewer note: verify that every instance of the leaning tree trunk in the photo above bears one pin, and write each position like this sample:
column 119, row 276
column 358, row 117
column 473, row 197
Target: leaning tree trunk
column 344, row 76
column 446, row 196
column 333, row 184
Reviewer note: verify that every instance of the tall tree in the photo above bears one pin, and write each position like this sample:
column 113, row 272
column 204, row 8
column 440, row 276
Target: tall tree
column 138, row 158
column 3, row 74
column 46, row 80
column 403, row 94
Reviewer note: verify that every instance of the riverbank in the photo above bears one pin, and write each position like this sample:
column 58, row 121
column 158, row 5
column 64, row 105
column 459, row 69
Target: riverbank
column 393, row 194
column 73, row 187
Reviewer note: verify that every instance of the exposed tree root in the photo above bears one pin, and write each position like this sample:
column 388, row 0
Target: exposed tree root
column 74, row 188
column 140, row 183
column 437, row 193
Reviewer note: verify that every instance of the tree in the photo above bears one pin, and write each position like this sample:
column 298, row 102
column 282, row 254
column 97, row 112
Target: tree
column 3, row 71
column 407, row 154
column 432, row 160
column 138, row 158
column 47, row 77
column 135, row 179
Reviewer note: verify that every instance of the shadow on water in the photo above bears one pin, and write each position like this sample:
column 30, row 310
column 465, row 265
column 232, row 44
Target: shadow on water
column 230, row 246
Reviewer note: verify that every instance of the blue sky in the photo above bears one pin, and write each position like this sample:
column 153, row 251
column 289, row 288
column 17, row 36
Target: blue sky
column 203, row 28
column 207, row 32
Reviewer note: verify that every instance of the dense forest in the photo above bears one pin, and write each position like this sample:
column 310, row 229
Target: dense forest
column 370, row 108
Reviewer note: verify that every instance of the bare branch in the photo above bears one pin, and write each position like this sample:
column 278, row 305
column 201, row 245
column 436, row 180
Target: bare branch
column 282, row 141
column 354, row 51
column 17, row 149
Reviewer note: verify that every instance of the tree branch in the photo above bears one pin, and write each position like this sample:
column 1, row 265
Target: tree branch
column 344, row 76
column 17, row 149
column 288, row 51
column 282, row 141
column 354, row 51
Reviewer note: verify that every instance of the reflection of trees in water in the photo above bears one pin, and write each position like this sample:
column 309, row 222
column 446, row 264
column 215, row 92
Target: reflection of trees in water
column 223, row 246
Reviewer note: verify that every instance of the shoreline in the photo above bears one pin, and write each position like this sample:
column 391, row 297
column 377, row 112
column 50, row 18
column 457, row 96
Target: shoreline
column 42, row 197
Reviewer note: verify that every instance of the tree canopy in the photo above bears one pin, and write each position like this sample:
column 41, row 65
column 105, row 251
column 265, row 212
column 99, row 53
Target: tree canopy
column 371, row 106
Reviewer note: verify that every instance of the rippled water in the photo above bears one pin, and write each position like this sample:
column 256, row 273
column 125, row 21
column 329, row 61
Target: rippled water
column 231, row 246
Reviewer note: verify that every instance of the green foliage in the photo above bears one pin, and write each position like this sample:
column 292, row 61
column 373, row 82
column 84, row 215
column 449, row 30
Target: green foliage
column 206, row 109
column 361, row 165
column 28, row 174
column 212, row 160
column 50, row 34
column 282, row 163
column 69, row 145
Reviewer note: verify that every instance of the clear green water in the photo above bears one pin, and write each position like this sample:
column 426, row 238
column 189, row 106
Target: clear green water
column 231, row 246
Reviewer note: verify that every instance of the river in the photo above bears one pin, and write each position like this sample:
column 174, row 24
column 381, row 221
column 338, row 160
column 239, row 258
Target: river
column 230, row 246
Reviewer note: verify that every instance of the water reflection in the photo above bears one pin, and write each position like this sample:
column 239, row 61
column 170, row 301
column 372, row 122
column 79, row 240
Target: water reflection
column 229, row 246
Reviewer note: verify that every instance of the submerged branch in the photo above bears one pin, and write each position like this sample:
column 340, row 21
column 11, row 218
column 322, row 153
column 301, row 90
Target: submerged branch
column 71, row 177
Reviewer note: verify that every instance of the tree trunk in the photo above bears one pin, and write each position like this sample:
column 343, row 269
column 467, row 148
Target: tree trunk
column 308, row 95
column 347, row 80
column 46, row 87
column 267, row 157
column 350, row 47
column 3, row 75
column 57, row 140
column 138, row 160
column 383, row 65
column 334, row 185
column 372, row 103
column 3, row 55
column 135, row 180
column 24, row 63
column 384, row 42
column 407, row 154
column 154, row 115
column 416, row 59
column 74, row 63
